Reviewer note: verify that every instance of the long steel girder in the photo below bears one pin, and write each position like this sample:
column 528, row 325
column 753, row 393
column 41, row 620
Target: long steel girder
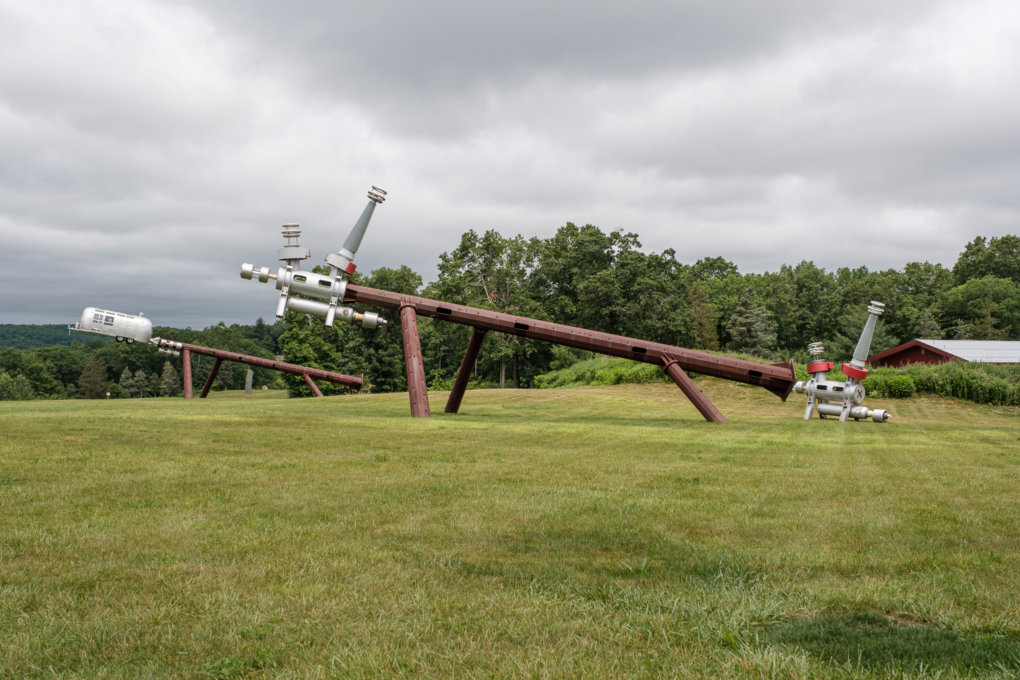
column 776, row 378
column 187, row 349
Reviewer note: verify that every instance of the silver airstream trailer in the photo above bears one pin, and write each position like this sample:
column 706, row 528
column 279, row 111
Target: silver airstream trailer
column 124, row 327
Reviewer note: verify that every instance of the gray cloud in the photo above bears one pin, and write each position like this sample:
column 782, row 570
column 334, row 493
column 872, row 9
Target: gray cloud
column 147, row 148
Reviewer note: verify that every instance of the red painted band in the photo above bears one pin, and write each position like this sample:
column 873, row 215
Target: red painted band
column 819, row 366
column 853, row 372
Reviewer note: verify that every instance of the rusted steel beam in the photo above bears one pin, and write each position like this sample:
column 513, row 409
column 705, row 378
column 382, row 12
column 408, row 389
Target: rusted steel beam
column 209, row 380
column 222, row 355
column 417, row 389
column 189, row 391
column 697, row 397
column 311, row 383
column 464, row 374
column 776, row 378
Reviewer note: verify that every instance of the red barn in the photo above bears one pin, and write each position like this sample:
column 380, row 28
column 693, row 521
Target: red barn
column 939, row 351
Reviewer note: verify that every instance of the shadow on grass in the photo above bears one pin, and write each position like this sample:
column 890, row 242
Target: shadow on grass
column 876, row 643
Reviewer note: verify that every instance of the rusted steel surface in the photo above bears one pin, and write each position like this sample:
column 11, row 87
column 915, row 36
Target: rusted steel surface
column 209, row 380
column 464, row 374
column 693, row 392
column 189, row 391
column 776, row 378
column 311, row 383
column 222, row 355
column 417, row 389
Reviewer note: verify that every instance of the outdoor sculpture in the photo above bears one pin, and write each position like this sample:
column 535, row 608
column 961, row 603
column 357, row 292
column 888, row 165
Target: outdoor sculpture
column 331, row 291
column 843, row 399
column 131, row 328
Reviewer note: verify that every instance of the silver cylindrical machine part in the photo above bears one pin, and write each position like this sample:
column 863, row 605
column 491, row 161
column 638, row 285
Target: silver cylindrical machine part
column 315, row 308
column 875, row 310
column 250, row 271
column 371, row 320
column 311, row 284
column 856, row 412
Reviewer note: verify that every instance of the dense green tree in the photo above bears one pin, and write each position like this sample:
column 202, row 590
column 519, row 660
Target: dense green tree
column 12, row 361
column 493, row 272
column 44, row 385
column 568, row 260
column 722, row 286
column 802, row 301
column 376, row 354
column 998, row 257
column 644, row 296
column 983, row 309
column 916, row 315
column 62, row 362
column 15, row 388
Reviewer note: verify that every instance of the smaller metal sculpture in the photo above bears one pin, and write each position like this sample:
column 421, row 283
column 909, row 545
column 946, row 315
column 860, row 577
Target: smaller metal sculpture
column 131, row 328
column 844, row 399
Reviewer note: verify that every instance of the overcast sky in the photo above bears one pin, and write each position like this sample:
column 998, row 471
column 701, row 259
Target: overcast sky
column 147, row 148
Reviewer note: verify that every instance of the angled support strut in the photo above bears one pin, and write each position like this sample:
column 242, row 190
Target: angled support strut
column 464, row 374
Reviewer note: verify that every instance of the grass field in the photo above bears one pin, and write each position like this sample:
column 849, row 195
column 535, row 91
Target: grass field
column 594, row 532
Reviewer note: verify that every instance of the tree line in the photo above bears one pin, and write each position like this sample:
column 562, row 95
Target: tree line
column 580, row 276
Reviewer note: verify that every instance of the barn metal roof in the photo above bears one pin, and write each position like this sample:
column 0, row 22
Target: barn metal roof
column 988, row 351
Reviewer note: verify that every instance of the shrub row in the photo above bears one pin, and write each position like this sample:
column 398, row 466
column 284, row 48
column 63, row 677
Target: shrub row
column 601, row 371
column 980, row 383
column 889, row 382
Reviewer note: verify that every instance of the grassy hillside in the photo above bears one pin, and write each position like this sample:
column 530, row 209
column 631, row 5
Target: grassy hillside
column 592, row 532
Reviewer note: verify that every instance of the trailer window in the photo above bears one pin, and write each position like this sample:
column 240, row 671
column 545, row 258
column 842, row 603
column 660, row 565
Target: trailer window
column 108, row 320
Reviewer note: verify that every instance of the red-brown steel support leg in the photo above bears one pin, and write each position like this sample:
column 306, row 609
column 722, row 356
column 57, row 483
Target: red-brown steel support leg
column 311, row 383
column 417, row 389
column 209, row 380
column 464, row 374
column 189, row 391
column 697, row 397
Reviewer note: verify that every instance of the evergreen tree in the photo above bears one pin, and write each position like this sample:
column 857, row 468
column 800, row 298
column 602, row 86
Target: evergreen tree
column 927, row 326
column 142, row 384
column 752, row 329
column 705, row 318
column 93, row 383
column 127, row 383
column 170, row 383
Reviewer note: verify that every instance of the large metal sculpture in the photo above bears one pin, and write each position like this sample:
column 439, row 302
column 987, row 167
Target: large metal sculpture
column 324, row 296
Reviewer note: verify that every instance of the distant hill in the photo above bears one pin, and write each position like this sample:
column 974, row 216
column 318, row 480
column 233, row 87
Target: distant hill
column 27, row 336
